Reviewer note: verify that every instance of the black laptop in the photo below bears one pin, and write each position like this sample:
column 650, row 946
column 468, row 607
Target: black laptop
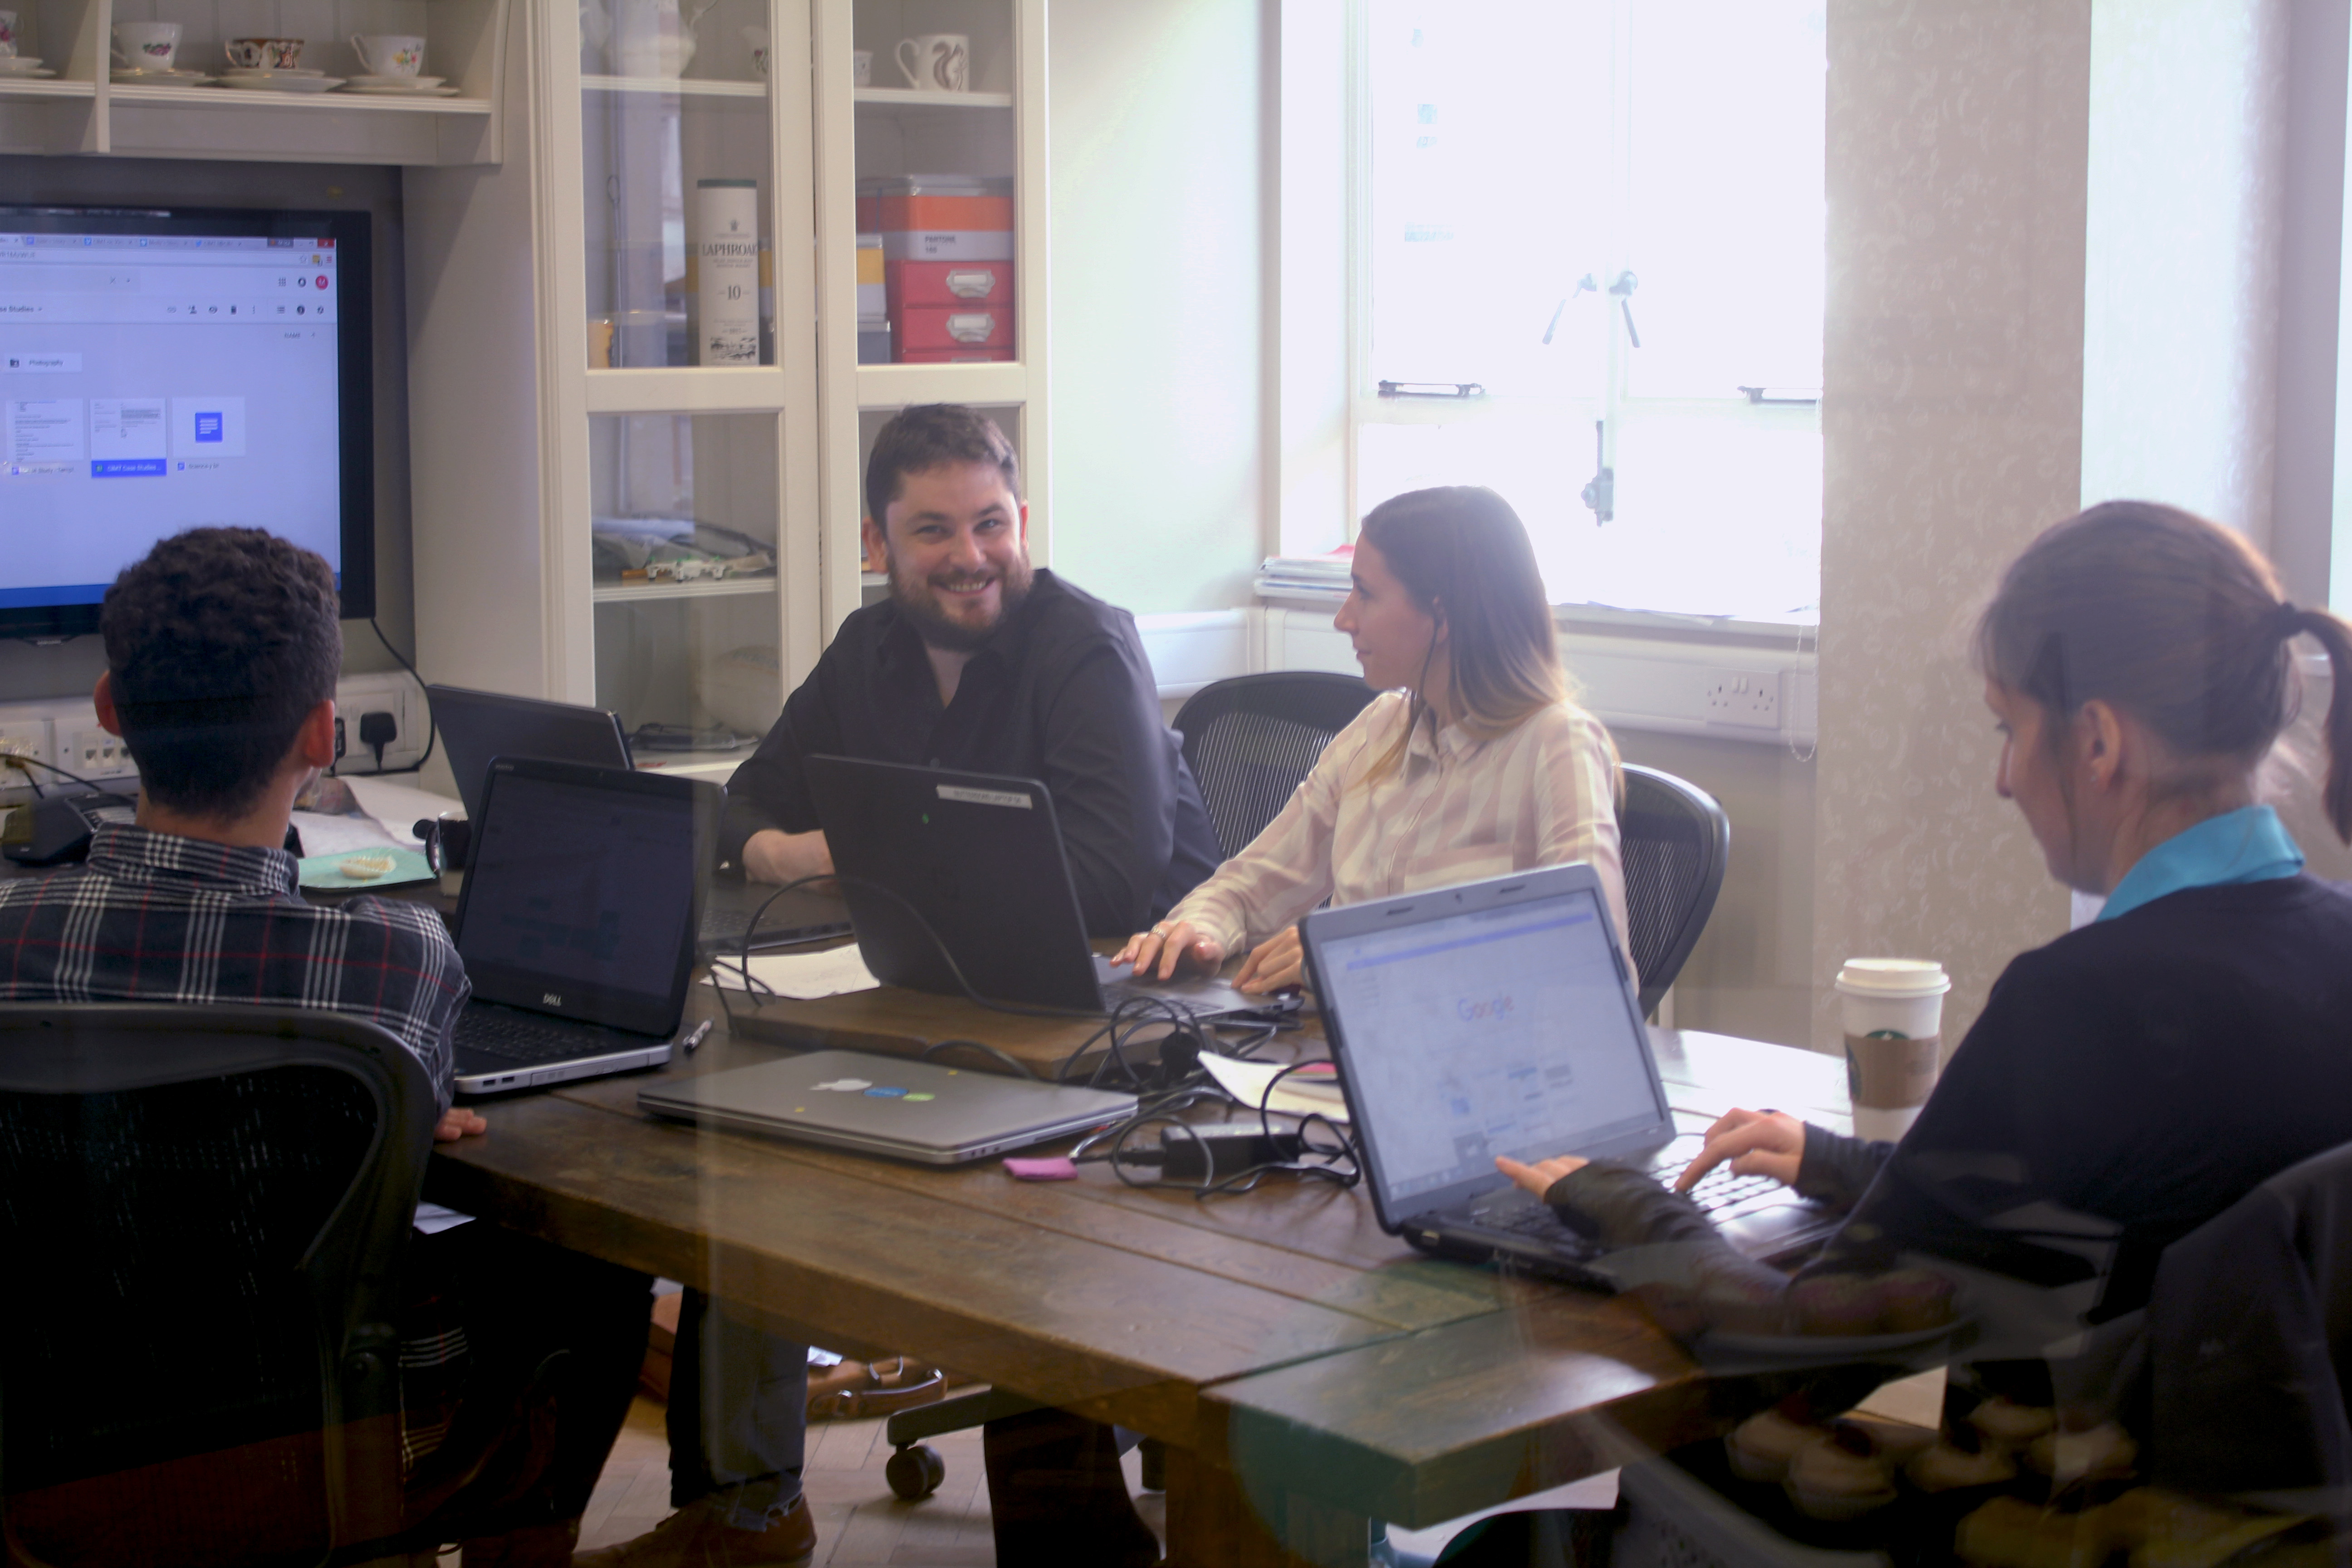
column 478, row 726
column 937, row 865
column 577, row 922
column 1500, row 1017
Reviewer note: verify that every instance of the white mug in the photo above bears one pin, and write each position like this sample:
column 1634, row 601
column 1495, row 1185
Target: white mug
column 861, row 67
column 7, row 35
column 389, row 54
column 941, row 62
column 758, row 38
column 146, row 46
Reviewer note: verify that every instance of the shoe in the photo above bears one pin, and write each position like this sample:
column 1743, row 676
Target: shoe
column 694, row 1537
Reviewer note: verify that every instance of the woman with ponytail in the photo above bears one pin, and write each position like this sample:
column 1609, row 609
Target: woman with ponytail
column 2154, row 1066
column 1472, row 763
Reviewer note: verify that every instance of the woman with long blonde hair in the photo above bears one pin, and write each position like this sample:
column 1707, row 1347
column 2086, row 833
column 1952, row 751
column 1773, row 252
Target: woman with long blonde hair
column 1472, row 761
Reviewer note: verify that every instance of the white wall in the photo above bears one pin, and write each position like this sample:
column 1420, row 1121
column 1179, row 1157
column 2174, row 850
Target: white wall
column 1157, row 144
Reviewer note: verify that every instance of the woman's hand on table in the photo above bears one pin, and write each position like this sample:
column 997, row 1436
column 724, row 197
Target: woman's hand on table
column 1539, row 1177
column 1276, row 963
column 457, row 1122
column 1170, row 946
column 1757, row 1143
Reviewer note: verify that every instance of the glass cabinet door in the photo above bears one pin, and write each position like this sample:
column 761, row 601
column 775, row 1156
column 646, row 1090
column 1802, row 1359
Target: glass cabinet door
column 687, row 619
column 936, row 158
column 677, row 159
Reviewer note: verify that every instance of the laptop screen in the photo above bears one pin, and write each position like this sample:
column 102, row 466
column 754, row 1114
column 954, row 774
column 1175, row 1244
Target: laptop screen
column 1497, row 1031
column 574, row 889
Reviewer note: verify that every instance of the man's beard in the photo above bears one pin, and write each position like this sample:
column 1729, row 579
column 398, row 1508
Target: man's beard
column 915, row 601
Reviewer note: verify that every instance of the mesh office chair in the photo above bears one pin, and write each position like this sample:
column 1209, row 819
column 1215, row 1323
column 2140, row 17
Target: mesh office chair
column 1249, row 740
column 1675, row 839
column 213, row 1201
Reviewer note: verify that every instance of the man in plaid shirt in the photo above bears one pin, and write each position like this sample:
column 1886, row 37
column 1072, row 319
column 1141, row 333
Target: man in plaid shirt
column 222, row 647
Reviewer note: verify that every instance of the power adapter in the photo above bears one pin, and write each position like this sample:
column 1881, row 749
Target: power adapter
column 378, row 730
column 1214, row 1153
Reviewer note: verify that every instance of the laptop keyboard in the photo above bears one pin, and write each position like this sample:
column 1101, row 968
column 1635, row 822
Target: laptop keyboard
column 1719, row 1190
column 519, row 1037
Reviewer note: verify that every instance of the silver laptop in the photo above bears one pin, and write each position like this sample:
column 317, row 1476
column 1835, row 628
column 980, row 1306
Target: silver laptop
column 883, row 1105
column 577, row 922
column 1500, row 1017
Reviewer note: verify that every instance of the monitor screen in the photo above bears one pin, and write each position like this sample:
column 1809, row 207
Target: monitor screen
column 167, row 370
column 1503, row 1031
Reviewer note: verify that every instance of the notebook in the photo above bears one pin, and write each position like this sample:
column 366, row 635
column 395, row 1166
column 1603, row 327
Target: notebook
column 478, row 726
column 938, row 865
column 577, row 921
column 1500, row 1017
column 882, row 1105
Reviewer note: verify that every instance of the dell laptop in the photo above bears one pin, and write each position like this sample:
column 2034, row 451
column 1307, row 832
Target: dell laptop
column 949, row 874
column 883, row 1105
column 1500, row 1017
column 479, row 726
column 577, row 922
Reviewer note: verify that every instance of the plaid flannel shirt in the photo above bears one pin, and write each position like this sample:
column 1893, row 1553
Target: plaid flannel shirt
column 153, row 917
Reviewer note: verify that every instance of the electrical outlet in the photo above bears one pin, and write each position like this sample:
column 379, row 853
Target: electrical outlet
column 356, row 696
column 24, row 735
column 97, row 755
column 1747, row 698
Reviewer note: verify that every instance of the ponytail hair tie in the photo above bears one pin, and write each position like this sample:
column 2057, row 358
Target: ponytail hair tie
column 2285, row 622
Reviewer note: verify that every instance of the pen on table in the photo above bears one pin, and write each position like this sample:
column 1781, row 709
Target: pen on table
column 695, row 1037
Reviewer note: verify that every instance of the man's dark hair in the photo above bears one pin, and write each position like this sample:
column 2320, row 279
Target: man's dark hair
column 219, row 643
column 933, row 436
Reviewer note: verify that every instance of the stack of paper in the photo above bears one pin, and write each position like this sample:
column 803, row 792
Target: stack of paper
column 804, row 976
column 1293, row 576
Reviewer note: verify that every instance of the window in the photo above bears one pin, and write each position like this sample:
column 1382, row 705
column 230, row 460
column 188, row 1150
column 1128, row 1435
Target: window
column 1607, row 217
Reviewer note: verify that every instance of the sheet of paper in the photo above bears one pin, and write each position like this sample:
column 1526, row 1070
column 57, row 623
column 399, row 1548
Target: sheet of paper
column 399, row 806
column 1247, row 1082
column 433, row 1220
column 341, row 834
column 804, row 976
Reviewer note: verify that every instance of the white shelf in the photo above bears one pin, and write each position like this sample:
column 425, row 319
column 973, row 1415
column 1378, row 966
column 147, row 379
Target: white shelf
column 927, row 98
column 44, row 87
column 702, row 588
column 902, row 385
column 300, row 102
column 688, row 389
column 674, row 86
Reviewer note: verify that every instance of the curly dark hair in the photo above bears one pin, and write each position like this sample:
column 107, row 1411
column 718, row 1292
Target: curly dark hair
column 219, row 643
column 932, row 436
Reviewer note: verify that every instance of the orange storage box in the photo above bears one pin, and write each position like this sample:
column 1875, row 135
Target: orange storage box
column 962, row 284
column 922, row 328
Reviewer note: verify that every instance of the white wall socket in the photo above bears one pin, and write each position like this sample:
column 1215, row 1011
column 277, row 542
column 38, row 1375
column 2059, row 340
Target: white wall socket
column 26, row 734
column 1750, row 698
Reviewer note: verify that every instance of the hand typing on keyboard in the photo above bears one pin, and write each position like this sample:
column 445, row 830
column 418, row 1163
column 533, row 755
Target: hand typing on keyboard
column 1539, row 1177
column 1755, row 1143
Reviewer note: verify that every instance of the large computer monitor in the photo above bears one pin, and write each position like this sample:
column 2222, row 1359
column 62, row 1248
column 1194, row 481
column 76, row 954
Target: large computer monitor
column 166, row 369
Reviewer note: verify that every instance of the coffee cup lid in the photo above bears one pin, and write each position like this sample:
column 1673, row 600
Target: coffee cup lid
column 1892, row 977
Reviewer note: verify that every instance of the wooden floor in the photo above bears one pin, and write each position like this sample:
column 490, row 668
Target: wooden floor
column 858, row 1524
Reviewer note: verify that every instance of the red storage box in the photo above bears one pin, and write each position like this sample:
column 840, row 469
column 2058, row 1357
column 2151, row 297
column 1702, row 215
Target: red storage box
column 922, row 328
column 960, row 212
column 960, row 284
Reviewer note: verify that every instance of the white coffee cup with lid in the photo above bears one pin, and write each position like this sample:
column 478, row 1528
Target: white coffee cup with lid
column 1894, row 1014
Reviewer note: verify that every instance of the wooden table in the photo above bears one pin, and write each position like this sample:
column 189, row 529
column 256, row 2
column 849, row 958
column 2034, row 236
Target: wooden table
column 1308, row 1372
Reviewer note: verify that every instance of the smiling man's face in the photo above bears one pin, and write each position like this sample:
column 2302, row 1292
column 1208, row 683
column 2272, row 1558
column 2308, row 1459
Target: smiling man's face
column 955, row 544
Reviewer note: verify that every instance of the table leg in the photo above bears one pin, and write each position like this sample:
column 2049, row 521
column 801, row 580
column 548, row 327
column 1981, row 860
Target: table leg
column 1215, row 1521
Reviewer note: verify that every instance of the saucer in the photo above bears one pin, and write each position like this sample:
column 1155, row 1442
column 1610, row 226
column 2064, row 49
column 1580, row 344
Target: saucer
column 418, row 82
column 281, row 82
column 403, row 92
column 265, row 70
column 22, row 65
column 130, row 77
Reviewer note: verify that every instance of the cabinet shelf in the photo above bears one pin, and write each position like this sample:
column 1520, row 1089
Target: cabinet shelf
column 902, row 385
column 45, row 87
column 210, row 98
column 674, row 86
column 702, row 588
column 907, row 98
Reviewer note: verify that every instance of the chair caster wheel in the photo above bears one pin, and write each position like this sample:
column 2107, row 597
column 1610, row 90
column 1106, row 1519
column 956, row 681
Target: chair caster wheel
column 915, row 1473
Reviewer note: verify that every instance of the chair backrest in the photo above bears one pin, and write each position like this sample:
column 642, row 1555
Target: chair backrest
column 1675, row 841
column 208, row 1207
column 1251, row 740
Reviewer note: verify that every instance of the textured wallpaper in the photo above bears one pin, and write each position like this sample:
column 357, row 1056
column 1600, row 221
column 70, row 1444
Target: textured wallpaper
column 1951, row 418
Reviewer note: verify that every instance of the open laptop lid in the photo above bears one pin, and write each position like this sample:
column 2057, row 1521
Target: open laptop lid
column 1498, row 1017
column 583, row 891
column 978, row 858
column 475, row 726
